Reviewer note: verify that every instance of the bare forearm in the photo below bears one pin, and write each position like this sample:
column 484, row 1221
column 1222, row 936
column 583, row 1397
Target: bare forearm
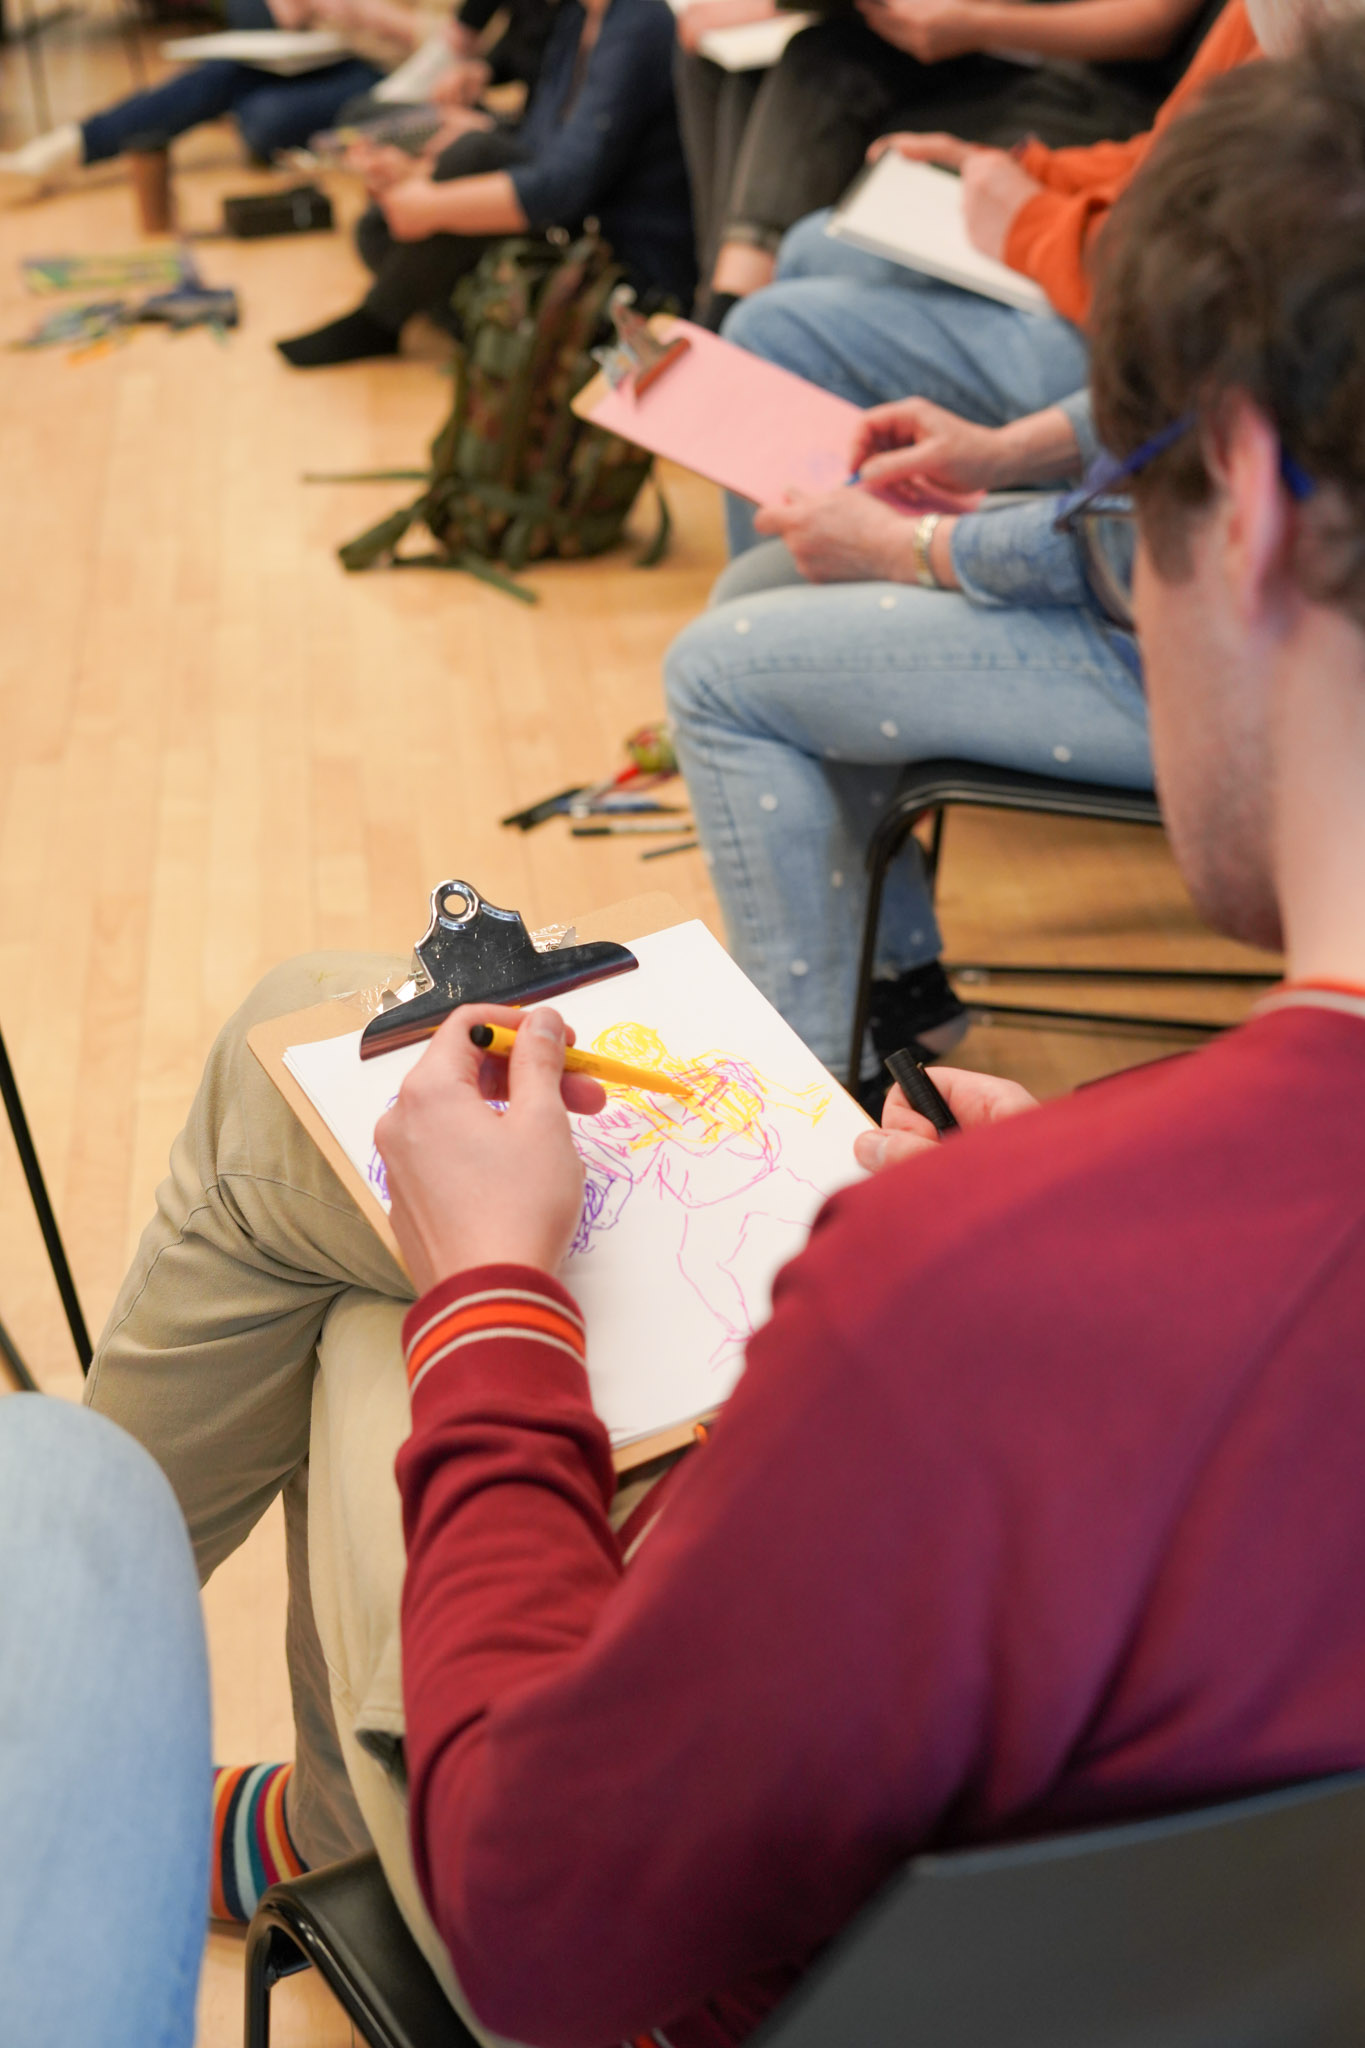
column 1093, row 31
column 486, row 205
column 1038, row 449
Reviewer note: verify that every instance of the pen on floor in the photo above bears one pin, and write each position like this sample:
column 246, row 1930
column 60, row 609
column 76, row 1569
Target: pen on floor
column 624, row 827
column 907, row 1070
column 498, row 1039
column 626, row 807
column 662, row 852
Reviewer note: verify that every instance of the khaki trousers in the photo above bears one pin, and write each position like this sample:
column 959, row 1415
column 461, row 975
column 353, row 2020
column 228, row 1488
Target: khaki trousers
column 254, row 1348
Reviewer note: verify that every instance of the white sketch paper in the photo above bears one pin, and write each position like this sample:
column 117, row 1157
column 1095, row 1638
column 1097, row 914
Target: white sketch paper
column 690, row 1207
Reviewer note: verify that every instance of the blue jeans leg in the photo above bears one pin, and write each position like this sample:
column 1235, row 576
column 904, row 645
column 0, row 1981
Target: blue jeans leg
column 282, row 113
column 794, row 711
column 105, row 1785
column 285, row 112
column 873, row 331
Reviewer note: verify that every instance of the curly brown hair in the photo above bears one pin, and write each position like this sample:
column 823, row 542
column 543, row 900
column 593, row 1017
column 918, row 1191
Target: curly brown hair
column 1235, row 263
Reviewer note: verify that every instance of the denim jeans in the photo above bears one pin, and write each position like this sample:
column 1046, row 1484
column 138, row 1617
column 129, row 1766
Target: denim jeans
column 105, row 1786
column 794, row 708
column 272, row 113
column 873, row 331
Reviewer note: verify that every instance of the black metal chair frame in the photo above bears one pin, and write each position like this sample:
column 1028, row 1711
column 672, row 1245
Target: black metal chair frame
column 302, row 1924
column 52, row 1237
column 1228, row 1923
column 929, row 789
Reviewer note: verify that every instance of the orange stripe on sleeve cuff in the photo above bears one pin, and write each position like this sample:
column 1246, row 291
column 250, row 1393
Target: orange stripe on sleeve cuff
column 438, row 1327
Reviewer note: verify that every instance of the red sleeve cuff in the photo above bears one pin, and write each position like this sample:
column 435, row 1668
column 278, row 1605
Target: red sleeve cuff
column 489, row 1303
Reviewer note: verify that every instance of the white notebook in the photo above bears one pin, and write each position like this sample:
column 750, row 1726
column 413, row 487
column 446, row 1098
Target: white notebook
column 752, row 45
column 411, row 84
column 749, row 45
column 689, row 1210
column 911, row 213
column 286, row 52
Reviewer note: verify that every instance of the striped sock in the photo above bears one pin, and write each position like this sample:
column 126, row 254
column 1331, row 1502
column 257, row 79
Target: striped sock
column 252, row 1847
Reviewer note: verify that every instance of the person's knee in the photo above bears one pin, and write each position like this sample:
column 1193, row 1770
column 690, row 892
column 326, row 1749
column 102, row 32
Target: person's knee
column 75, row 1485
column 767, row 324
column 767, row 565
column 701, row 686
column 688, row 666
column 805, row 250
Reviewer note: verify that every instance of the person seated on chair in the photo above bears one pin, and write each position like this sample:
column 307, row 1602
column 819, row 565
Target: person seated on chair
column 272, row 113
column 765, row 148
column 1038, row 1502
column 875, row 331
column 599, row 138
column 824, row 666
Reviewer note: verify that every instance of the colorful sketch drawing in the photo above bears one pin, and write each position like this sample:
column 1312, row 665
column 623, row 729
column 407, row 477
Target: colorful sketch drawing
column 710, row 1169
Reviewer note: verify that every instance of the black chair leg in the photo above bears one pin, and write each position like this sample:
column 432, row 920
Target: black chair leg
column 18, row 1371
column 935, row 787
column 270, row 1955
column 880, row 858
column 47, row 1221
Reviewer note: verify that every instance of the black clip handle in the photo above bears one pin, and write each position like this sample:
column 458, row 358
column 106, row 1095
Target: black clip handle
column 476, row 953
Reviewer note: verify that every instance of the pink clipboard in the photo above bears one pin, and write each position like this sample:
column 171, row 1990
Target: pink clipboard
column 756, row 429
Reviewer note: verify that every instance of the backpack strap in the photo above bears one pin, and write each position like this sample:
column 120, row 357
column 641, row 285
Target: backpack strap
column 663, row 528
column 470, row 565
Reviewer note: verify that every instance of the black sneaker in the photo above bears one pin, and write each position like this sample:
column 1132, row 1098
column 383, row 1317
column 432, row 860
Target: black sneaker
column 920, row 1005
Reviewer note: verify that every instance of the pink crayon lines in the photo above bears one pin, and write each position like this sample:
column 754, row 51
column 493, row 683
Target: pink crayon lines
column 708, row 1170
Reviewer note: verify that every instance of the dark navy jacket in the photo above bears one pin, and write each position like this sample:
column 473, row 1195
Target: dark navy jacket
column 612, row 151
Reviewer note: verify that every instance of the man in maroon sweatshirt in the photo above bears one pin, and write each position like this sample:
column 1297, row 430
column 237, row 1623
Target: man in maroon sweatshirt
column 1040, row 1501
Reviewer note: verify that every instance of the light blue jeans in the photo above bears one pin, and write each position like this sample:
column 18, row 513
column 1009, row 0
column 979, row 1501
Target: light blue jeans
column 796, row 705
column 105, row 1781
column 873, row 331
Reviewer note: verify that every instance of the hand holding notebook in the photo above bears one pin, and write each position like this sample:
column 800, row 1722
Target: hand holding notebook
column 912, row 212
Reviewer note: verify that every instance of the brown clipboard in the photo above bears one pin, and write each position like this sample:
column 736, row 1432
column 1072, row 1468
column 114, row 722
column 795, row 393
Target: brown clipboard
column 635, row 918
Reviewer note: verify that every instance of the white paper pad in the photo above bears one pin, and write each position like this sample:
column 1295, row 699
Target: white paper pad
column 911, row 213
column 410, row 85
column 286, row 52
column 689, row 1211
column 752, row 45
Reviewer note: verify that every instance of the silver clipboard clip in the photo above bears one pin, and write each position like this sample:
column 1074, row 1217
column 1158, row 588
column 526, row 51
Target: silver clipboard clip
column 637, row 357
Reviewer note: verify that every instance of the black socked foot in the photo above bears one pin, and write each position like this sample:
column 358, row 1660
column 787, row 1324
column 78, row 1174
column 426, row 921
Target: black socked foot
column 355, row 338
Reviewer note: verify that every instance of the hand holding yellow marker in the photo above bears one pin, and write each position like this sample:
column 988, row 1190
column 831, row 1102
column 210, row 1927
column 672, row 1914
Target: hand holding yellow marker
column 497, row 1039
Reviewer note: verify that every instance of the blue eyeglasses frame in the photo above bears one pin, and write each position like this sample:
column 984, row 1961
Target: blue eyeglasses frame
column 1104, row 483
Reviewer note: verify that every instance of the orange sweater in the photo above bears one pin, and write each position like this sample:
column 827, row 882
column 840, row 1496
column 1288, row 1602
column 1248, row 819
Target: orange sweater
column 1051, row 236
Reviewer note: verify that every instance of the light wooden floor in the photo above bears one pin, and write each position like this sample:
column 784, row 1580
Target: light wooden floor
column 216, row 750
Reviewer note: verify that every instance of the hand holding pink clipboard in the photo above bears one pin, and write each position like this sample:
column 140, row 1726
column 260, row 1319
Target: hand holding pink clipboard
column 747, row 424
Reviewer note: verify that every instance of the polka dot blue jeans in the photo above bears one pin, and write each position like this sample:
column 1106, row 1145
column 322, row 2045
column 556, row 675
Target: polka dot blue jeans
column 795, row 707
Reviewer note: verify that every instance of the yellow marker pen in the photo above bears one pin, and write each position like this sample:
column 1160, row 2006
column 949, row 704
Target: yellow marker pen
column 496, row 1038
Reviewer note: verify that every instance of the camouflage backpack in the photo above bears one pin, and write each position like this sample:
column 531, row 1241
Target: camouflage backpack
column 515, row 474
